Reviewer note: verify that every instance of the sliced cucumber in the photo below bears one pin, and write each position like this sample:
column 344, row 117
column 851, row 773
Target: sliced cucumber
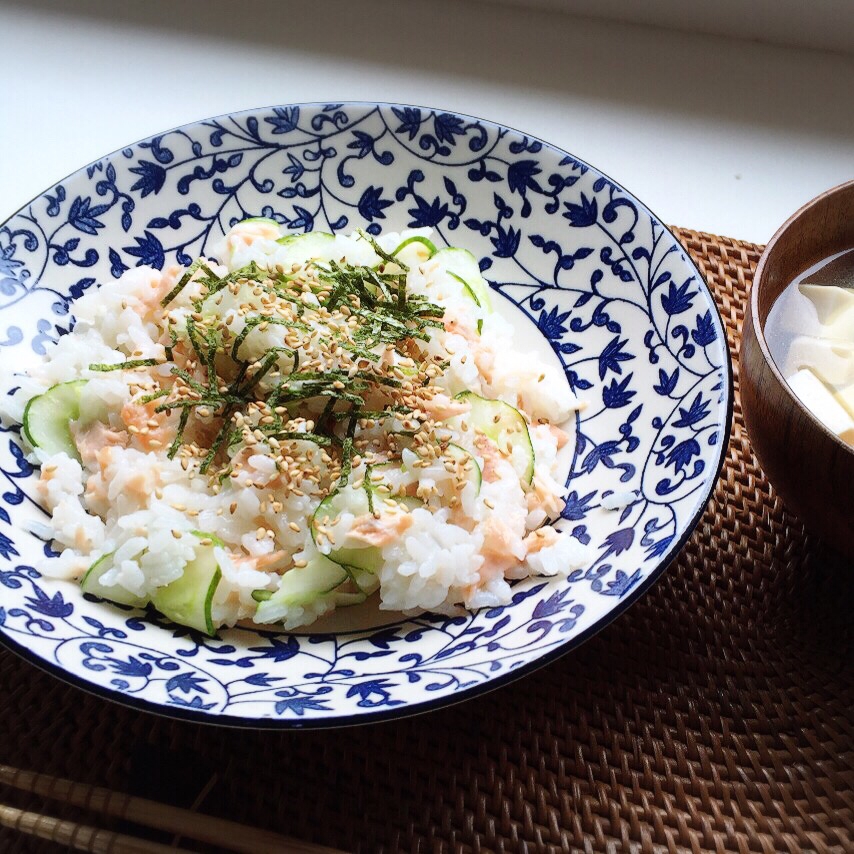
column 349, row 500
column 215, row 540
column 187, row 600
column 427, row 244
column 357, row 589
column 310, row 240
column 91, row 583
column 355, row 595
column 299, row 587
column 463, row 265
column 467, row 290
column 506, row 426
column 301, row 248
column 475, row 475
column 367, row 559
column 367, row 582
column 265, row 219
column 47, row 418
column 347, row 600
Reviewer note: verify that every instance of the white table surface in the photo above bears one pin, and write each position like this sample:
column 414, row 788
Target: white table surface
column 718, row 134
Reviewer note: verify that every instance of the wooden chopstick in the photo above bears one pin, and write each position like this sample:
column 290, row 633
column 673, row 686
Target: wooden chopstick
column 81, row 837
column 200, row 827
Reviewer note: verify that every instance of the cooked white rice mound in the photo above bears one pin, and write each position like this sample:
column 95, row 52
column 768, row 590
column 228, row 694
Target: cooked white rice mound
column 441, row 495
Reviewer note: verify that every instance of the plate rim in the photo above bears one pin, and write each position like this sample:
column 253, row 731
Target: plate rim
column 340, row 721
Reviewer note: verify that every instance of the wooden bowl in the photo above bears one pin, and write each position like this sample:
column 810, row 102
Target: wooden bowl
column 811, row 468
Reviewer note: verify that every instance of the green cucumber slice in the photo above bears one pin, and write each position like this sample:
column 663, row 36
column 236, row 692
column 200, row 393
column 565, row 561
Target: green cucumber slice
column 367, row 559
column 504, row 424
column 347, row 600
column 47, row 418
column 264, row 219
column 355, row 501
column 308, row 239
column 467, row 290
column 474, row 472
column 91, row 583
column 301, row 248
column 300, row 586
column 463, row 265
column 204, row 535
column 428, row 244
column 361, row 585
column 367, row 582
column 187, row 600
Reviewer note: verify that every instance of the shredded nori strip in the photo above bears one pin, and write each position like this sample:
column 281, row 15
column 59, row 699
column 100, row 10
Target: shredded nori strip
column 385, row 315
column 217, row 444
column 251, row 323
column 124, row 366
column 179, row 435
column 347, row 449
column 303, row 437
column 382, row 253
column 367, row 487
column 182, row 282
column 154, row 396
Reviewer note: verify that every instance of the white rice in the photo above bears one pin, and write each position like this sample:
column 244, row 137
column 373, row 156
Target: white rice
column 141, row 507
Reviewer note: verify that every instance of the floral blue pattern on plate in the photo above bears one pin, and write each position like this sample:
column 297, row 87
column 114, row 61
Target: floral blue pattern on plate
column 590, row 271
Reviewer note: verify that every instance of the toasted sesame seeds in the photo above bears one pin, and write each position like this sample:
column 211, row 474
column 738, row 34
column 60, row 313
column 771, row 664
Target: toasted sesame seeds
column 331, row 342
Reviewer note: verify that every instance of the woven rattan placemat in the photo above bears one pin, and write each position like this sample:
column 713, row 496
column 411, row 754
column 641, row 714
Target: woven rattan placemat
column 716, row 714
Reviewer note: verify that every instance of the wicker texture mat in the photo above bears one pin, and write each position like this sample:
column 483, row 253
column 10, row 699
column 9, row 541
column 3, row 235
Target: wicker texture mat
column 716, row 714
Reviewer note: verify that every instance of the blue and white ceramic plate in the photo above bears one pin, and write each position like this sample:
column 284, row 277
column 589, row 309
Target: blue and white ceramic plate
column 586, row 271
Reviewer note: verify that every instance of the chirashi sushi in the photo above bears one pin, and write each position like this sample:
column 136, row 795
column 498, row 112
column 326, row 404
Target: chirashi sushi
column 294, row 424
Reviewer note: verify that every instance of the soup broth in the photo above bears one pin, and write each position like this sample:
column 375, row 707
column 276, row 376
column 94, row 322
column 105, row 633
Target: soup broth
column 810, row 334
